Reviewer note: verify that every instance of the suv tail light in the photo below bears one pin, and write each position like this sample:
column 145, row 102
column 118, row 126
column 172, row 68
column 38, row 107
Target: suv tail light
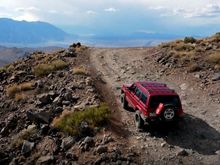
column 159, row 108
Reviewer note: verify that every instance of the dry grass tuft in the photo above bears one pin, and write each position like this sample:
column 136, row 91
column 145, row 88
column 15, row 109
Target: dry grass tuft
column 25, row 134
column 79, row 70
column 194, row 68
column 16, row 89
column 214, row 58
column 45, row 69
column 20, row 96
column 184, row 47
column 69, row 122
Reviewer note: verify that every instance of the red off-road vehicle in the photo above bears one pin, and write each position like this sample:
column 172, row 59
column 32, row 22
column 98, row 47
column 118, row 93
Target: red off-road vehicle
column 151, row 101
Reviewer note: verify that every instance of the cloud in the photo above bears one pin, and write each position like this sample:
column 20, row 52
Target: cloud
column 53, row 11
column 209, row 10
column 111, row 9
column 28, row 9
column 157, row 7
column 27, row 17
column 91, row 12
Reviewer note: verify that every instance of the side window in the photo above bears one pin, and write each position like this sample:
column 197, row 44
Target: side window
column 137, row 92
column 143, row 98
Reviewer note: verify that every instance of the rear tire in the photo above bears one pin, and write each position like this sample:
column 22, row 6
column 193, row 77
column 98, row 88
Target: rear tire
column 124, row 101
column 169, row 113
column 138, row 120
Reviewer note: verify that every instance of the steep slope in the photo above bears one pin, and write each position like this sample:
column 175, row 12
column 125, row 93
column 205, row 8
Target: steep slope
column 23, row 32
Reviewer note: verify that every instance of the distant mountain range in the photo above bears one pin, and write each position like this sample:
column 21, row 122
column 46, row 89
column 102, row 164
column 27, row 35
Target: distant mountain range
column 23, row 33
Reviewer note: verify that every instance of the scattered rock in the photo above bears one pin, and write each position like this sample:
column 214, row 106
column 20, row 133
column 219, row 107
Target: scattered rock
column 87, row 143
column 11, row 123
column 44, row 160
column 218, row 152
column 41, row 117
column 45, row 98
column 27, row 147
column 106, row 139
column 71, row 156
column 216, row 77
column 197, row 76
column 101, row 149
column 88, row 140
column 183, row 86
column 66, row 102
column 67, row 143
column 182, row 152
column 47, row 146
column 163, row 144
column 44, row 129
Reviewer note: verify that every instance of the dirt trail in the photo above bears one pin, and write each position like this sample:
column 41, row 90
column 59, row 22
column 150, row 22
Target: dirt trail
column 199, row 134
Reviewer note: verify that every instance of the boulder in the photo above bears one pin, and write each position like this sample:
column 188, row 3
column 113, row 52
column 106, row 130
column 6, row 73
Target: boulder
column 68, row 96
column 27, row 147
column 41, row 117
column 101, row 149
column 44, row 98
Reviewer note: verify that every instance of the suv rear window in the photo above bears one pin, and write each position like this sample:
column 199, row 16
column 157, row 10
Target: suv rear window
column 156, row 100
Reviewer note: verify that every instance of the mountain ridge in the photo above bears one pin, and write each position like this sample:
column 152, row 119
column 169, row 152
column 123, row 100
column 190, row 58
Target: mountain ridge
column 25, row 33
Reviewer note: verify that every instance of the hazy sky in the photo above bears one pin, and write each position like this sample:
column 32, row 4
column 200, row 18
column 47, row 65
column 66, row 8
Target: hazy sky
column 199, row 17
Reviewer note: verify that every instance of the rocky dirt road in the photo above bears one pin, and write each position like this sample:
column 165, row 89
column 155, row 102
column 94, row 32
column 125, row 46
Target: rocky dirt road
column 195, row 141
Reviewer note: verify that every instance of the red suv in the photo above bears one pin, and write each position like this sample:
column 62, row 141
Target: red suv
column 151, row 101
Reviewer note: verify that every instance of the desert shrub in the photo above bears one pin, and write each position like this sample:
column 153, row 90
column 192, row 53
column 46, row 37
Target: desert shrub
column 216, row 37
column 25, row 134
column 59, row 64
column 189, row 40
column 80, row 70
column 15, row 89
column 214, row 58
column 69, row 122
column 45, row 69
column 217, row 34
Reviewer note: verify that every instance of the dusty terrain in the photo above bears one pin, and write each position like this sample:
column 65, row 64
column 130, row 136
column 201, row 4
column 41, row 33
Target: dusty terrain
column 32, row 97
column 196, row 140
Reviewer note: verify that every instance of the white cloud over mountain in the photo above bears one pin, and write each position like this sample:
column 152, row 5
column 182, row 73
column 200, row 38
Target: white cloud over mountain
column 95, row 13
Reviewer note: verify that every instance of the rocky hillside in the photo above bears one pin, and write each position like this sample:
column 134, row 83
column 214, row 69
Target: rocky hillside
column 51, row 112
column 192, row 54
column 197, row 57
